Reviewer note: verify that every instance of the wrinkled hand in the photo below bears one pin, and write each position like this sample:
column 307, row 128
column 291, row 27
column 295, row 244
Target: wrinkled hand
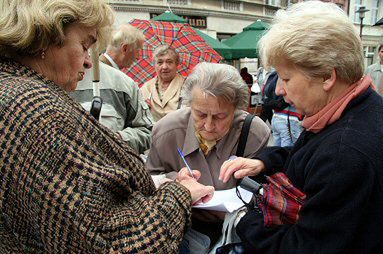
column 208, row 216
column 239, row 168
column 199, row 193
column 184, row 174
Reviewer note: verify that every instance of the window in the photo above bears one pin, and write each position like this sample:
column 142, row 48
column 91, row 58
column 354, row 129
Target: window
column 126, row 1
column 231, row 5
column 270, row 11
column 273, row 2
column 178, row 2
column 374, row 11
column 369, row 52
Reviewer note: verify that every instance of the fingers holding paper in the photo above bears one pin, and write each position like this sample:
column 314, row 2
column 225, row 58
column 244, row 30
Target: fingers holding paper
column 239, row 168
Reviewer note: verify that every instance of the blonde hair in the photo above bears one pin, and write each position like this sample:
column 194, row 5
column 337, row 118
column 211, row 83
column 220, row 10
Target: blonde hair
column 28, row 27
column 316, row 37
column 129, row 35
column 218, row 80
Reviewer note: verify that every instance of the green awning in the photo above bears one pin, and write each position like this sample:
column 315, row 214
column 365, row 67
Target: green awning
column 168, row 16
column 244, row 44
column 218, row 46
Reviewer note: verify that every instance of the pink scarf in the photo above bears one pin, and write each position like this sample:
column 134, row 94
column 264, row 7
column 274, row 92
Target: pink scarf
column 332, row 111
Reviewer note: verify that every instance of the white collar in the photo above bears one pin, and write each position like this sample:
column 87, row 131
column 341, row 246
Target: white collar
column 111, row 61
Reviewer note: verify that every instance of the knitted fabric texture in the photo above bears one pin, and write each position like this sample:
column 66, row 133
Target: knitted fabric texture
column 69, row 185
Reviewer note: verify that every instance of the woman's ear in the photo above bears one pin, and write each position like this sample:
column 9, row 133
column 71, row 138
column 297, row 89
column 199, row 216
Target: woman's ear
column 124, row 48
column 329, row 83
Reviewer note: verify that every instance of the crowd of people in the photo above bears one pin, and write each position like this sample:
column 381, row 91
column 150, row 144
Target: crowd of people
column 71, row 183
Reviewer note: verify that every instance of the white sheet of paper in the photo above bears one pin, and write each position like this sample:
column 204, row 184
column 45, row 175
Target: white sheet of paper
column 226, row 200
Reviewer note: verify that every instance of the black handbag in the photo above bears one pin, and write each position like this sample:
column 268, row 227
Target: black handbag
column 243, row 136
column 232, row 248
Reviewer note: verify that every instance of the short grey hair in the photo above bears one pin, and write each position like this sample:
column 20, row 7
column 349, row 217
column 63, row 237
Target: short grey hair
column 316, row 37
column 127, row 34
column 163, row 50
column 218, row 80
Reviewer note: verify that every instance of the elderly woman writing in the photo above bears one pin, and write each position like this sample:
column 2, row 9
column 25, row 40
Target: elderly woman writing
column 336, row 161
column 68, row 184
column 208, row 130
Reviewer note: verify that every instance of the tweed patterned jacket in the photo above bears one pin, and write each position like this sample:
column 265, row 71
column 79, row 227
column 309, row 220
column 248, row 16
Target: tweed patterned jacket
column 69, row 185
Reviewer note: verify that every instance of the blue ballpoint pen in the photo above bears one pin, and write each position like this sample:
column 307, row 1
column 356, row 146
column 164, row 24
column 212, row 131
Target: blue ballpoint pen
column 187, row 165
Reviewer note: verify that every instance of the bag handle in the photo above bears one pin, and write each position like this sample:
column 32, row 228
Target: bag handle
column 244, row 134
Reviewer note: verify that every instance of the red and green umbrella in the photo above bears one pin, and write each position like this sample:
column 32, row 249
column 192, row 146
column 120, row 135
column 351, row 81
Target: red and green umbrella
column 180, row 36
column 222, row 49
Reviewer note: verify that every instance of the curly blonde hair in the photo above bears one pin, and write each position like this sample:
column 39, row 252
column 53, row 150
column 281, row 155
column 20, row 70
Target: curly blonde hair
column 28, row 27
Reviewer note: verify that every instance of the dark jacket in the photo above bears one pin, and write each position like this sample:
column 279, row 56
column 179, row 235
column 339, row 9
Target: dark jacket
column 340, row 170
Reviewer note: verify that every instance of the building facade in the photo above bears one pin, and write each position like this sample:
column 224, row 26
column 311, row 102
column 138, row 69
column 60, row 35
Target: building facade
column 223, row 18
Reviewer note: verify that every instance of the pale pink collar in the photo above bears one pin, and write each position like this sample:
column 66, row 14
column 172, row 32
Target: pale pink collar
column 332, row 111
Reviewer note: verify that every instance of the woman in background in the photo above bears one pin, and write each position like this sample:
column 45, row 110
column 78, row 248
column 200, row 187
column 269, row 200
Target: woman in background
column 162, row 93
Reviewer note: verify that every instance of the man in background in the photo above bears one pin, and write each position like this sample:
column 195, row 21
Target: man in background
column 123, row 110
column 124, row 48
column 246, row 76
column 376, row 71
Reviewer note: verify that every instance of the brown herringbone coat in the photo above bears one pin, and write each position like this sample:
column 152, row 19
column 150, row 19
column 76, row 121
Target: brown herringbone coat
column 69, row 185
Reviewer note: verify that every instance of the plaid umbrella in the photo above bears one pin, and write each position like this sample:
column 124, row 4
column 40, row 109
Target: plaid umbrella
column 281, row 201
column 190, row 46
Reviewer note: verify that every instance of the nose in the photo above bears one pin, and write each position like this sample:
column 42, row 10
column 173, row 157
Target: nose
column 279, row 89
column 87, row 61
column 164, row 65
column 209, row 125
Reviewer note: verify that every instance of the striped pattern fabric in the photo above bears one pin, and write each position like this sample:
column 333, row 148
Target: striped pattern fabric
column 69, row 185
column 190, row 46
column 281, row 201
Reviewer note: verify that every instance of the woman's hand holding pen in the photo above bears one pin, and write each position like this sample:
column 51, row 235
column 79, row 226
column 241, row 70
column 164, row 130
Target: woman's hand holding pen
column 185, row 174
column 199, row 193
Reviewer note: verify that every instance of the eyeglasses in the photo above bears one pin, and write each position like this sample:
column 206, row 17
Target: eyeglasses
column 253, row 204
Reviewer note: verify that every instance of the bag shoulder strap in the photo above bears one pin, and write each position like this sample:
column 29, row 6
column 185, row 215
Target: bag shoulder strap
column 244, row 133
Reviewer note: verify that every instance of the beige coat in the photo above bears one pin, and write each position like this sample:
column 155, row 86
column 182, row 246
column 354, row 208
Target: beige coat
column 177, row 130
column 170, row 100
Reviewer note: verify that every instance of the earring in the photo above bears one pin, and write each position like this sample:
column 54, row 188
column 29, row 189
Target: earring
column 43, row 55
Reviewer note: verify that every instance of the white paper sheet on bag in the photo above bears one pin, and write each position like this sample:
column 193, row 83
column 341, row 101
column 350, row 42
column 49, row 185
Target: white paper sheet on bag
column 226, row 200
